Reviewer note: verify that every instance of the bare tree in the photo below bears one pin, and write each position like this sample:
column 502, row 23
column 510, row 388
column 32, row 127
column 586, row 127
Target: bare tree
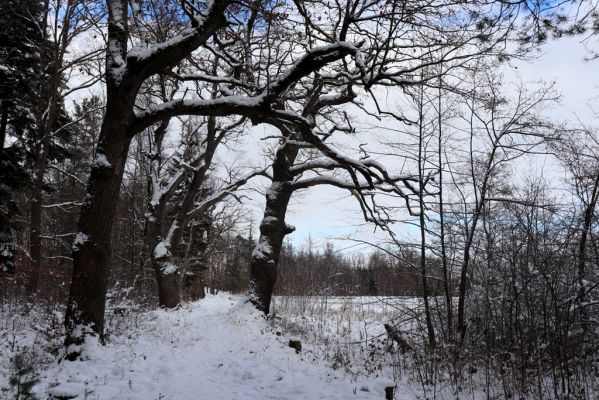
column 382, row 62
column 382, row 53
column 498, row 133
column 64, row 23
column 188, row 176
column 578, row 153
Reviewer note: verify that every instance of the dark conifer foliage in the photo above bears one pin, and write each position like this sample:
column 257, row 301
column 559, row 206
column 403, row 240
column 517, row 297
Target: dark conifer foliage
column 20, row 72
column 20, row 67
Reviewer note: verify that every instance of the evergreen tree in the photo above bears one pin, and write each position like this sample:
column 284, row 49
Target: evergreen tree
column 24, row 378
column 20, row 68
column 20, row 73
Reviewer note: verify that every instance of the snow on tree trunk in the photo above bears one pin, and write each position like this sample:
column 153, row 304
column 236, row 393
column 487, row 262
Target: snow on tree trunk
column 265, row 256
column 91, row 255
column 167, row 274
column 125, row 73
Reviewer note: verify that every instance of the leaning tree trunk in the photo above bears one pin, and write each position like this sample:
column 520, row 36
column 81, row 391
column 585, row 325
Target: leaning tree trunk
column 422, row 223
column 444, row 258
column 168, row 273
column 91, row 249
column 164, row 247
column 167, row 276
column 265, row 257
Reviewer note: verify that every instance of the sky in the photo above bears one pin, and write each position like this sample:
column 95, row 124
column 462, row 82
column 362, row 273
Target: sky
column 327, row 214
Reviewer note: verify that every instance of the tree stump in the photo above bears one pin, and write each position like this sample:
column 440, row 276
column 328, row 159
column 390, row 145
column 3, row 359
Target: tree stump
column 296, row 344
column 389, row 392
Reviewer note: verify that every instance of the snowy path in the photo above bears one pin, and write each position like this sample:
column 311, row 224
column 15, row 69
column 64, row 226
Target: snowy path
column 217, row 348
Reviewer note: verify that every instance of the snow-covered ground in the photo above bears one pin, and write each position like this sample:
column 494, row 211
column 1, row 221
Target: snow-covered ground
column 216, row 348
column 347, row 333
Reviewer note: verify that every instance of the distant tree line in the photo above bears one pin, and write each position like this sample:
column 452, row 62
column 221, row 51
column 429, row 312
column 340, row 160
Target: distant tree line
column 307, row 271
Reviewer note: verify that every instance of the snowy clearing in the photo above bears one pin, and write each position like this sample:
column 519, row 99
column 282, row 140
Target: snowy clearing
column 216, row 348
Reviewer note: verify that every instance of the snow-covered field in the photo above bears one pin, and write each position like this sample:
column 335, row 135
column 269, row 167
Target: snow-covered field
column 216, row 348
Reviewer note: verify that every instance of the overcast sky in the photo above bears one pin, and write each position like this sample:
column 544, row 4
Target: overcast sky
column 330, row 214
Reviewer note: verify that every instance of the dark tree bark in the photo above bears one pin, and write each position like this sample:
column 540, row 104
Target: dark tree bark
column 91, row 250
column 3, row 124
column 265, row 257
column 168, row 284
column 124, row 76
column 165, row 244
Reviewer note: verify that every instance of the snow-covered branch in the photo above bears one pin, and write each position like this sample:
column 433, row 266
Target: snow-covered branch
column 143, row 62
column 311, row 165
column 64, row 204
column 222, row 106
column 311, row 62
column 257, row 107
column 389, row 185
